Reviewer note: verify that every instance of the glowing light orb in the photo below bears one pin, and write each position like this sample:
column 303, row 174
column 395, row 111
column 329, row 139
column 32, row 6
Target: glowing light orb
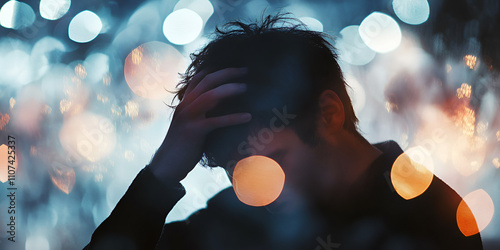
column 62, row 176
column 312, row 23
column 412, row 11
column 351, row 47
column 4, row 120
column 41, row 53
column 258, row 180
column 152, row 68
column 496, row 162
column 471, row 61
column 54, row 9
column 182, row 26
column 204, row 8
column 88, row 136
column 380, row 32
column 27, row 114
column 468, row 154
column 464, row 91
column 356, row 93
column 16, row 65
column 84, row 27
column 411, row 173
column 37, row 242
column 16, row 15
column 4, row 163
column 475, row 212
column 97, row 65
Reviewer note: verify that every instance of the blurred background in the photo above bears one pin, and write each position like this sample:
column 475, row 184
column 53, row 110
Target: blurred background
column 83, row 90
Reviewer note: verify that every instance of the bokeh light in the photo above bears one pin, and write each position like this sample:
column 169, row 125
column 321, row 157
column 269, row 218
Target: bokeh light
column 4, row 120
column 96, row 66
column 88, row 136
column 471, row 61
column 475, row 212
column 258, row 180
column 37, row 242
column 312, row 23
column 4, row 163
column 16, row 15
column 380, row 32
column 412, row 172
column 351, row 47
column 496, row 162
column 468, row 154
column 412, row 11
column 62, row 176
column 356, row 93
column 204, row 8
column 84, row 27
column 151, row 70
column 54, row 9
column 42, row 52
column 15, row 57
column 27, row 113
column 182, row 26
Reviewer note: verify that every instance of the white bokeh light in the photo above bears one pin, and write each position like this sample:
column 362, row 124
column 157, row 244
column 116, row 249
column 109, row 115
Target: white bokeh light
column 17, row 64
column 37, row 242
column 380, row 32
column 412, row 11
column 312, row 23
column 182, row 26
column 54, row 9
column 204, row 8
column 96, row 65
column 351, row 47
column 356, row 93
column 16, row 15
column 41, row 52
column 84, row 27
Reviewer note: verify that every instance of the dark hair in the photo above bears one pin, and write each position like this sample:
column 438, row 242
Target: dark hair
column 289, row 66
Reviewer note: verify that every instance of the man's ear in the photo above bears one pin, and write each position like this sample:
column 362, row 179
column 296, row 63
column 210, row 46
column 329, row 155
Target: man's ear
column 331, row 110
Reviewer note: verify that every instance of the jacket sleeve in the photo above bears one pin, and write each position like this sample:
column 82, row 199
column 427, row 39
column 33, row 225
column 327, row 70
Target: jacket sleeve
column 138, row 219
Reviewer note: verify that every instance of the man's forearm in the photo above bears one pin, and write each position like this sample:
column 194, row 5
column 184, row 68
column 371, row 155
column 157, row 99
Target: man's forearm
column 138, row 218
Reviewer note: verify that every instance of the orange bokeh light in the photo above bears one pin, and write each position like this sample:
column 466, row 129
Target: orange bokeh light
column 151, row 70
column 4, row 120
column 4, row 158
column 63, row 177
column 258, row 180
column 411, row 173
column 468, row 154
column 475, row 212
column 88, row 136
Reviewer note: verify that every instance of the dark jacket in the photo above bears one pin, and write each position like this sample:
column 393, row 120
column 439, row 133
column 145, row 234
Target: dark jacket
column 376, row 218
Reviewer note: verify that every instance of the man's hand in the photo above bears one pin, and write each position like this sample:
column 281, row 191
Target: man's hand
column 183, row 145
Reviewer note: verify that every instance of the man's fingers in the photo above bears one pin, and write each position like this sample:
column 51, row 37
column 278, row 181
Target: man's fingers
column 226, row 120
column 195, row 80
column 211, row 98
column 215, row 79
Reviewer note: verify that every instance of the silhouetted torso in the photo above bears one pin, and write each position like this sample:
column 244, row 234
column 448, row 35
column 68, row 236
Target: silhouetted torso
column 375, row 217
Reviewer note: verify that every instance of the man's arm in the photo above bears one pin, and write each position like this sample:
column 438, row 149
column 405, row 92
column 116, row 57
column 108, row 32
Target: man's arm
column 138, row 218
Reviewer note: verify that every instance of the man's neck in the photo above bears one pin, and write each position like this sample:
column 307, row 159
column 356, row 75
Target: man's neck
column 344, row 163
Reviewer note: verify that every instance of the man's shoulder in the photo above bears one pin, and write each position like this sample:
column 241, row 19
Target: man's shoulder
column 431, row 214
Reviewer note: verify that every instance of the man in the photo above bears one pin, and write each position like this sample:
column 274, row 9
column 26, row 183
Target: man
column 282, row 79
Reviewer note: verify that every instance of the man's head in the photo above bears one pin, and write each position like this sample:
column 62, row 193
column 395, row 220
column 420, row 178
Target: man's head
column 289, row 68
